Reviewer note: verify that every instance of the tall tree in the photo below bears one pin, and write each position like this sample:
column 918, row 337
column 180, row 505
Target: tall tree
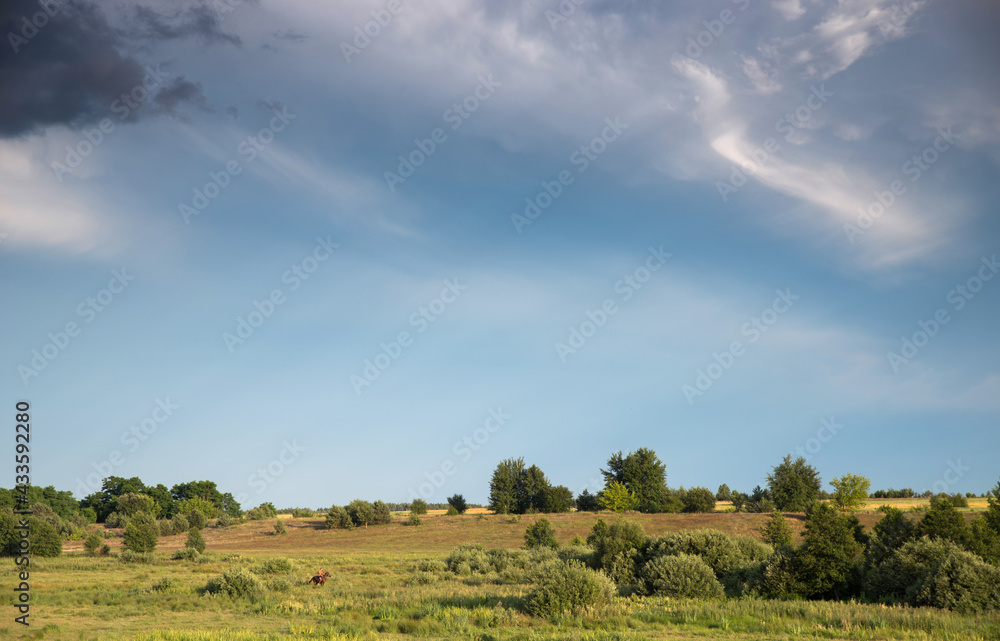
column 643, row 473
column 851, row 491
column 534, row 497
column 829, row 553
column 793, row 485
column 507, row 486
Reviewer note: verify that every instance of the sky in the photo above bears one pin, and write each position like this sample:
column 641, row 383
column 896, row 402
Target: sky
column 317, row 252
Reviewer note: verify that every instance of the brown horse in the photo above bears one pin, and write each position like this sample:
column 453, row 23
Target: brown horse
column 320, row 578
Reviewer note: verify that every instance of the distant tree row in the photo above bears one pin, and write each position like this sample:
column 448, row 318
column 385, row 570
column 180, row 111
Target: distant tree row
column 516, row 489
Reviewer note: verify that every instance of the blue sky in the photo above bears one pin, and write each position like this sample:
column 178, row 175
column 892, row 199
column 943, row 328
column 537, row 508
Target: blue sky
column 701, row 228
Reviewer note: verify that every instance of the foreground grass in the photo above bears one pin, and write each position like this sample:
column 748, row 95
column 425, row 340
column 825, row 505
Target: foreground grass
column 383, row 587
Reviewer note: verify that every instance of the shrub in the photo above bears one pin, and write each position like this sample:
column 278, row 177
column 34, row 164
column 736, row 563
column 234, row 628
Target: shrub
column 337, row 517
column 699, row 500
column 279, row 528
column 616, row 548
column 413, row 520
column 451, row 511
column 238, row 583
column 720, row 551
column 383, row 514
column 165, row 527
column 943, row 521
column 830, row 553
column 568, row 586
column 937, row 573
column 540, row 534
column 576, row 552
column 418, row 507
column 181, row 523
column 278, row 565
column 473, row 556
column 587, row 502
column 131, row 504
column 302, row 513
column 117, row 520
column 93, row 543
column 186, row 553
column 891, row 532
column 129, row 556
column 225, row 521
column 781, row 575
column 777, row 531
column 361, row 512
column 142, row 534
column 195, row 540
column 457, row 501
column 278, row 584
column 682, row 575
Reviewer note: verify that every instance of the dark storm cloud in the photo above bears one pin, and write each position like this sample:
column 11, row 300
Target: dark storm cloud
column 199, row 22
column 63, row 63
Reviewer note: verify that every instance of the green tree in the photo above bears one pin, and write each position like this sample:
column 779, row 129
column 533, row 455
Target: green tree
column 992, row 513
column 643, row 474
column 337, row 517
column 131, row 504
column 793, row 485
column 361, row 512
column 943, row 521
column 195, row 540
column 92, row 543
column 383, row 514
column 507, row 486
column 830, row 552
column 724, row 493
column 617, row 498
column 203, row 490
column 893, row 531
column 418, row 507
column 777, row 532
column 196, row 518
column 850, row 491
column 44, row 538
column 534, row 495
column 560, row 499
column 699, row 500
column 142, row 533
column 279, row 527
column 540, row 534
column 457, row 501
column 587, row 502
column 209, row 509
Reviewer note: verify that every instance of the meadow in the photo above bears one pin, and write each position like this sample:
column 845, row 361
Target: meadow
column 390, row 582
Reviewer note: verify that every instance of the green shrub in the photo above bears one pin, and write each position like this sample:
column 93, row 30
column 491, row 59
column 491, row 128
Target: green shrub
column 699, row 500
column 279, row 584
column 195, row 540
column 781, row 575
column 181, row 523
column 165, row 527
column 337, row 517
column 278, row 565
column 458, row 502
column 568, row 587
column 540, row 534
column 186, row 554
column 681, row 575
column 943, row 521
column 225, row 521
column 196, row 518
column 576, row 552
column 93, row 543
column 238, row 583
column 432, row 565
column 413, row 520
column 142, row 534
column 279, row 527
column 777, row 531
column 130, row 556
column 383, row 514
column 418, row 507
column 117, row 520
column 451, row 511
column 616, row 548
column 720, row 551
column 361, row 512
column 162, row 585
column 473, row 555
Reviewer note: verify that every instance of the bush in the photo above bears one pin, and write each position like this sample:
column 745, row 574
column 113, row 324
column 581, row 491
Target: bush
column 413, row 520
column 540, row 534
column 777, row 531
column 451, row 511
column 722, row 552
column 418, row 507
column 197, row 518
column 616, row 548
column 468, row 558
column 361, row 512
column 279, row 528
column 337, row 517
column 302, row 513
column 142, row 534
column 117, row 520
column 682, row 575
column 458, row 502
column 830, row 554
column 937, row 573
column 195, row 540
column 181, row 523
column 278, row 584
column 699, row 500
column 277, row 565
column 225, row 521
column 93, row 543
column 383, row 514
column 568, row 586
column 129, row 556
column 186, row 553
column 943, row 521
column 587, row 502
column 238, row 583
column 165, row 527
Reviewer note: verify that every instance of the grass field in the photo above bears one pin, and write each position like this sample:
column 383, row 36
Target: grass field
column 384, row 584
